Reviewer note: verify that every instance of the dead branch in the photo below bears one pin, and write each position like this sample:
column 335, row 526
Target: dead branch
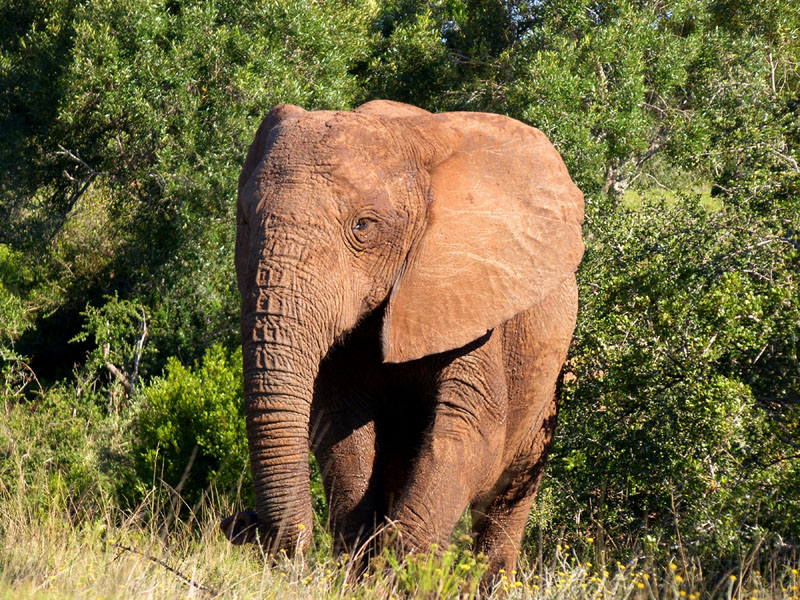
column 138, row 351
column 120, row 375
column 204, row 588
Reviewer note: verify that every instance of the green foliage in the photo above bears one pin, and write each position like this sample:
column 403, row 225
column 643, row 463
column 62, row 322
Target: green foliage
column 119, row 331
column 685, row 402
column 14, row 318
column 409, row 62
column 126, row 180
column 189, row 430
column 58, row 446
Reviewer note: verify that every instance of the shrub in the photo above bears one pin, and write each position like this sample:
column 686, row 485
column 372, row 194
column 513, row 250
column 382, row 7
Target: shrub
column 119, row 331
column 685, row 403
column 55, row 445
column 190, row 428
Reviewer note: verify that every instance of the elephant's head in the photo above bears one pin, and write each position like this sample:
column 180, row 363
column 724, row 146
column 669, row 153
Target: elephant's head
column 450, row 223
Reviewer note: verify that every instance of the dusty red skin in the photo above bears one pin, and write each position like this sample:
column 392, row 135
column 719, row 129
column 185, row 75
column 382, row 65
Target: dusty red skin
column 408, row 298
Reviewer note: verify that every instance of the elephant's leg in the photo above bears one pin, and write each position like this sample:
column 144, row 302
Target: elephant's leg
column 461, row 451
column 344, row 444
column 536, row 344
column 343, row 435
column 498, row 527
column 401, row 425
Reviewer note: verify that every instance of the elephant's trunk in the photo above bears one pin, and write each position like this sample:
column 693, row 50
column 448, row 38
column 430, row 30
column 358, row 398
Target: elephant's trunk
column 282, row 348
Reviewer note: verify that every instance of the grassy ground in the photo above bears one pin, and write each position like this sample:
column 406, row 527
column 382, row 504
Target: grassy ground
column 48, row 552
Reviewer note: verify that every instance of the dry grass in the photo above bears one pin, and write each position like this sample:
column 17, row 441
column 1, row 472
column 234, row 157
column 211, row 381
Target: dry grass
column 46, row 552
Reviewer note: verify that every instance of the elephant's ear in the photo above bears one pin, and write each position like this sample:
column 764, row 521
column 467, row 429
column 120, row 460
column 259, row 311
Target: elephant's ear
column 259, row 146
column 503, row 230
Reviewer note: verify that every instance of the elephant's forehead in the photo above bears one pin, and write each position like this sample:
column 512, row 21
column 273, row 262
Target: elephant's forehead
column 326, row 141
column 329, row 162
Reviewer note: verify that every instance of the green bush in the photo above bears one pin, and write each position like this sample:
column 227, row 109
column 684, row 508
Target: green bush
column 189, row 429
column 14, row 318
column 118, row 329
column 684, row 405
column 59, row 445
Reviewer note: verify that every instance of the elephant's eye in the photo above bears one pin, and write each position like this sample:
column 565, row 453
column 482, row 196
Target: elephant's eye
column 361, row 225
column 365, row 230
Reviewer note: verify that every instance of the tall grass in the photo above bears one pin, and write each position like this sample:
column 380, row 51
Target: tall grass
column 63, row 534
column 54, row 546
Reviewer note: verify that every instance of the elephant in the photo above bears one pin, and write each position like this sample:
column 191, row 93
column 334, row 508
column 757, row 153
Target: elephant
column 408, row 298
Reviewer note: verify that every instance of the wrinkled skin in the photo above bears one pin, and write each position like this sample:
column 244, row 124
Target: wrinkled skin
column 408, row 298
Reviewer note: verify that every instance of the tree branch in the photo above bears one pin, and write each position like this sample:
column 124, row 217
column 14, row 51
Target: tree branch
column 138, row 352
column 204, row 588
column 120, row 375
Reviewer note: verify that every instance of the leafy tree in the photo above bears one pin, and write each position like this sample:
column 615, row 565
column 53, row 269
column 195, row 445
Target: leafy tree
column 685, row 397
column 122, row 165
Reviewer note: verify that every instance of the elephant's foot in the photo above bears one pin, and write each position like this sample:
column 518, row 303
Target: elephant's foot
column 240, row 528
column 498, row 531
